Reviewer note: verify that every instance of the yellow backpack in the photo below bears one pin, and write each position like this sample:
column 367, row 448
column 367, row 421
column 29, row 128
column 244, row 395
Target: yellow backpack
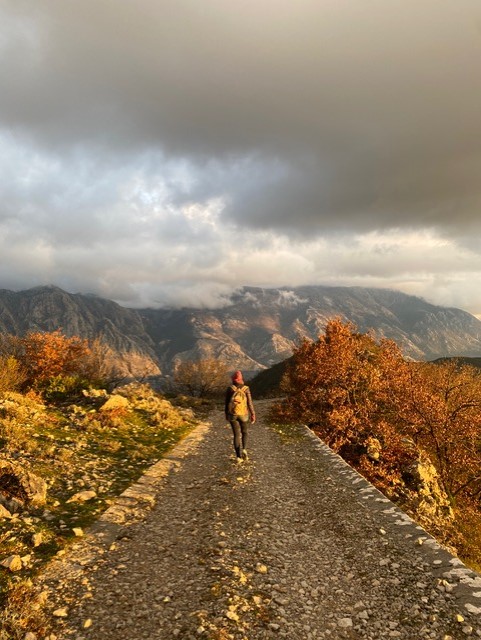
column 238, row 402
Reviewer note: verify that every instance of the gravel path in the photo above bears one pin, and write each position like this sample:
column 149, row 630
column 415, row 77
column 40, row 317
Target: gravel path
column 292, row 544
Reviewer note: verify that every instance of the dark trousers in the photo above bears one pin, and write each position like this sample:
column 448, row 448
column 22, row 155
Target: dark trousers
column 239, row 429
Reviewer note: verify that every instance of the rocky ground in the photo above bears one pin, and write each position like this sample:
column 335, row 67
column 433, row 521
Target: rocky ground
column 292, row 544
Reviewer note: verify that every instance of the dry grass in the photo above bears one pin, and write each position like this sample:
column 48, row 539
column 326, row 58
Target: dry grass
column 20, row 416
column 23, row 612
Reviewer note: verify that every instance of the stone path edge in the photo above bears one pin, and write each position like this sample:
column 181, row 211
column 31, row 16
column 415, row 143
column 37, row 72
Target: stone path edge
column 140, row 497
column 446, row 567
column 129, row 507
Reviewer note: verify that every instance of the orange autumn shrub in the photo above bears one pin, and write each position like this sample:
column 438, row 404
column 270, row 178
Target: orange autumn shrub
column 337, row 383
column 351, row 389
column 439, row 407
column 48, row 355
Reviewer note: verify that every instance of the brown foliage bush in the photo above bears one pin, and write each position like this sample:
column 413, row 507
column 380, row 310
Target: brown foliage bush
column 337, row 383
column 439, row 407
column 47, row 355
column 202, row 378
column 55, row 364
column 350, row 388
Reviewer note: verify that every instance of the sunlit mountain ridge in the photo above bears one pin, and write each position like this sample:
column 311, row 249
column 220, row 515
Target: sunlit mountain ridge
column 259, row 327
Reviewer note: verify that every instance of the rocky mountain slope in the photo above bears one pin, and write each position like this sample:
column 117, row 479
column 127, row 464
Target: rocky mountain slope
column 91, row 317
column 257, row 329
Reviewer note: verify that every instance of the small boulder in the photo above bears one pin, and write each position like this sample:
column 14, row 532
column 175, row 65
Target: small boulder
column 232, row 615
column 261, row 568
column 345, row 623
column 115, row 402
column 4, row 513
column 26, row 559
column 430, row 501
column 82, row 496
column 14, row 505
column 17, row 482
column 12, row 563
column 37, row 539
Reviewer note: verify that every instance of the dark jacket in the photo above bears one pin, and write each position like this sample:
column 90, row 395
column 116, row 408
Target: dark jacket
column 228, row 395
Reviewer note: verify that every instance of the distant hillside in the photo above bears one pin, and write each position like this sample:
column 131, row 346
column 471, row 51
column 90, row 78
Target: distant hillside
column 473, row 362
column 258, row 329
column 51, row 308
column 261, row 326
column 266, row 383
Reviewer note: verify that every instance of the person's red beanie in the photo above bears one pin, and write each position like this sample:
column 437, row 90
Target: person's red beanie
column 237, row 378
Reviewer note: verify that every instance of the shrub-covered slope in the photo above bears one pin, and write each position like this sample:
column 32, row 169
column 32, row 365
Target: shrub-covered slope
column 61, row 465
column 413, row 429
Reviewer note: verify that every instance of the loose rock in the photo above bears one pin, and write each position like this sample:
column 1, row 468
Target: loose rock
column 12, row 563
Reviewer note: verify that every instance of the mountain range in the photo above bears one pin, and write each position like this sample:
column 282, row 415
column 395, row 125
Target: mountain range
column 256, row 329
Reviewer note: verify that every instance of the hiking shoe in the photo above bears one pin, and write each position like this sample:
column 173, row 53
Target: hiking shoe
column 240, row 460
column 244, row 455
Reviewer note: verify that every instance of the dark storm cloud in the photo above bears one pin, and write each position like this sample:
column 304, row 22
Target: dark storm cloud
column 136, row 137
column 318, row 116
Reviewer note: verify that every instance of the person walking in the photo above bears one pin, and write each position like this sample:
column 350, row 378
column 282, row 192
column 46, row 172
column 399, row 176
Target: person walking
column 239, row 409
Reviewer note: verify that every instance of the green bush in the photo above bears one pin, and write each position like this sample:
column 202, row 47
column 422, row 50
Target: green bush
column 62, row 387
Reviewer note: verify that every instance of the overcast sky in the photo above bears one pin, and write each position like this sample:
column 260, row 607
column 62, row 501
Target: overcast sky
column 166, row 152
